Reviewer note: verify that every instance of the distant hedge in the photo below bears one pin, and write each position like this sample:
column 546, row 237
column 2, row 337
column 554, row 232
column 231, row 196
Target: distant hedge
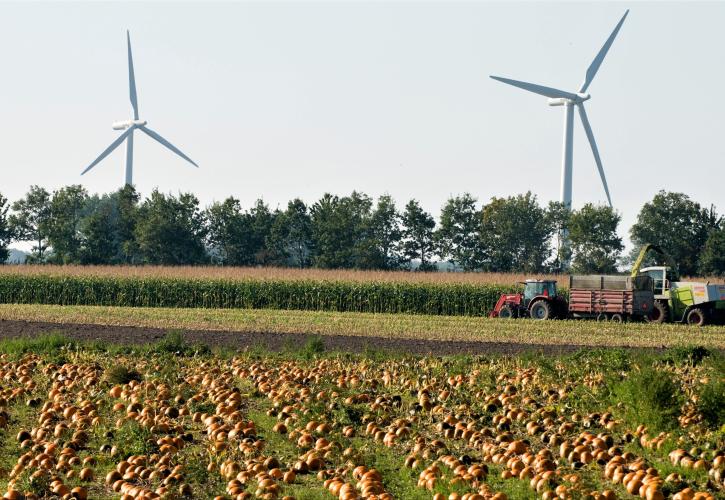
column 451, row 299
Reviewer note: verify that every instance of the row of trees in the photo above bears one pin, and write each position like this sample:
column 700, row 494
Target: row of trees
column 507, row 234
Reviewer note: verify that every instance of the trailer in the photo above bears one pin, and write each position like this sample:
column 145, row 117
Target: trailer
column 610, row 298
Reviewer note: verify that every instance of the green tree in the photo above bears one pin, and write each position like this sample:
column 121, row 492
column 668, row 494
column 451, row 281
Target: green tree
column 6, row 235
column 99, row 229
column 339, row 227
column 325, row 234
column 384, row 234
column 108, row 228
column 228, row 233
column 261, row 220
column 171, row 230
column 237, row 238
column 418, row 237
column 712, row 258
column 30, row 220
column 515, row 232
column 458, row 234
column 128, row 214
column 594, row 241
column 290, row 238
column 676, row 224
column 66, row 211
column 559, row 216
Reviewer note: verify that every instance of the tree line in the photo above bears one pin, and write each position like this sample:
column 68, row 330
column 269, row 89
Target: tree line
column 511, row 234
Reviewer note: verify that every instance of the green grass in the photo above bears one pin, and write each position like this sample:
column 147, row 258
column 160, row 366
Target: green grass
column 401, row 326
column 122, row 375
column 173, row 343
column 46, row 344
column 306, row 486
column 651, row 396
column 711, row 403
column 401, row 482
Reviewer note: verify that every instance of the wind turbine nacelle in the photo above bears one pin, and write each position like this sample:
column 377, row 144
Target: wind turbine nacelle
column 563, row 101
column 128, row 124
column 559, row 101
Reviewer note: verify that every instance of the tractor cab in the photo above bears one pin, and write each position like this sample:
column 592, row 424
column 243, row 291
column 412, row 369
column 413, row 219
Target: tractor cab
column 538, row 288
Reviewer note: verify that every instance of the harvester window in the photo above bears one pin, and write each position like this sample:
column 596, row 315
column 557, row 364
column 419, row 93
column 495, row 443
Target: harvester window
column 659, row 281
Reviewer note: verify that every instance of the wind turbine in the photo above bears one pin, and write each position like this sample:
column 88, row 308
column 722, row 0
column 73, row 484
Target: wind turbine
column 569, row 100
column 131, row 125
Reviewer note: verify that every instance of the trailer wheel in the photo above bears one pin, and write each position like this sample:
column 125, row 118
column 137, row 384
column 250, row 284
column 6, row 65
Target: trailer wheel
column 506, row 312
column 616, row 318
column 658, row 314
column 601, row 317
column 696, row 317
column 540, row 309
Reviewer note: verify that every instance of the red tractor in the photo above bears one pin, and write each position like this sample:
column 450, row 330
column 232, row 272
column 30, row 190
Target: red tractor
column 540, row 300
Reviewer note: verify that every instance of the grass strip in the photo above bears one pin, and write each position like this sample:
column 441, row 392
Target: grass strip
column 399, row 326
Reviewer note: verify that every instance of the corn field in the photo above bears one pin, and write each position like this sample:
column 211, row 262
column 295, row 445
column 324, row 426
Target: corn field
column 451, row 299
column 276, row 273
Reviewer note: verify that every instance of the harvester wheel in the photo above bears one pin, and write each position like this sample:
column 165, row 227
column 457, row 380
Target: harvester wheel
column 696, row 317
column 541, row 309
column 658, row 314
column 506, row 312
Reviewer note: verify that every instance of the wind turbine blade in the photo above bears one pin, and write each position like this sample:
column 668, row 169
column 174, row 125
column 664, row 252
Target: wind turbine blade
column 109, row 149
column 537, row 89
column 594, row 66
column 595, row 150
column 166, row 143
column 132, row 79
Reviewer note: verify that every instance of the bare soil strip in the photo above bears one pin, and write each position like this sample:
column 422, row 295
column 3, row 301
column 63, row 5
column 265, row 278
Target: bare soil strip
column 277, row 341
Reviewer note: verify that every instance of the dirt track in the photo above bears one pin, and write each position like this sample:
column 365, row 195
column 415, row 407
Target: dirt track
column 274, row 341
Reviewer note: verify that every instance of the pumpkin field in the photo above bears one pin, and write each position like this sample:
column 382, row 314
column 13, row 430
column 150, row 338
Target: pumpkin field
column 175, row 420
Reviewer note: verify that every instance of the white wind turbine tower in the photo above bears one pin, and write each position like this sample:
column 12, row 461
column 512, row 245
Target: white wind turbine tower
column 569, row 100
column 130, row 125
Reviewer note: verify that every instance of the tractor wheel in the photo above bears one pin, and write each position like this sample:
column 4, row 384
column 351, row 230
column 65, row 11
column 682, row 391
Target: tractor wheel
column 617, row 318
column 696, row 317
column 506, row 312
column 659, row 313
column 541, row 309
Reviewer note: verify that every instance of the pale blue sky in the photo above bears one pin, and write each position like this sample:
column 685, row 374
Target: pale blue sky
column 279, row 100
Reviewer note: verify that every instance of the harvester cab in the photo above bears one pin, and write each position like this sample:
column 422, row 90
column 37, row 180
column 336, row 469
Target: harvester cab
column 662, row 277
